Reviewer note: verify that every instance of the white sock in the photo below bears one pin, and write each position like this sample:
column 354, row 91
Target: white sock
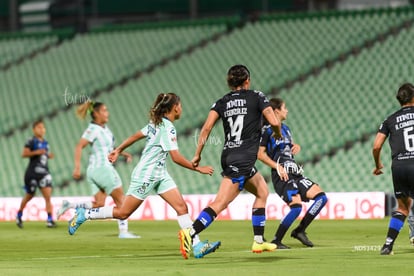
column 185, row 222
column 123, row 225
column 99, row 213
column 258, row 238
column 86, row 205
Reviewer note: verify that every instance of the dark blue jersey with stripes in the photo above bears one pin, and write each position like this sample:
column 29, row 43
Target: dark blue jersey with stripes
column 38, row 164
column 279, row 150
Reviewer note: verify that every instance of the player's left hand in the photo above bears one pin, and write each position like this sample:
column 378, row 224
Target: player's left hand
column 205, row 170
column 196, row 161
column 113, row 156
column 377, row 171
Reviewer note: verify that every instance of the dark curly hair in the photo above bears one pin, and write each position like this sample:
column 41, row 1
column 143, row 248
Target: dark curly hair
column 405, row 93
column 237, row 75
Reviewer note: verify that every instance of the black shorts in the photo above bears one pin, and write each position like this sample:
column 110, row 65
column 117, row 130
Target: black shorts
column 403, row 180
column 297, row 184
column 33, row 180
column 239, row 167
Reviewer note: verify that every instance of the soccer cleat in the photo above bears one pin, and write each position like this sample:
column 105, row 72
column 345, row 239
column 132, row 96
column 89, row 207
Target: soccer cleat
column 262, row 247
column 19, row 222
column 128, row 235
column 185, row 242
column 280, row 245
column 386, row 250
column 204, row 247
column 51, row 224
column 63, row 208
column 76, row 221
column 301, row 236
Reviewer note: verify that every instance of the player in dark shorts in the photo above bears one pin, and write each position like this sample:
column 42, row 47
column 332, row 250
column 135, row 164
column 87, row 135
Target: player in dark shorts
column 241, row 111
column 288, row 180
column 399, row 128
column 37, row 173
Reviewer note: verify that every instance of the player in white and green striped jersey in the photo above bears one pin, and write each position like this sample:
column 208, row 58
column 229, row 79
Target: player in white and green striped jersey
column 101, row 175
column 151, row 173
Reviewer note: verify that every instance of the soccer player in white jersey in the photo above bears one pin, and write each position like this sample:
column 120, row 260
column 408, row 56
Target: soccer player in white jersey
column 101, row 175
column 151, row 173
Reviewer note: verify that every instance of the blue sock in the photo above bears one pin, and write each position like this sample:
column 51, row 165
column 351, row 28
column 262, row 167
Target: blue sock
column 205, row 218
column 287, row 221
column 292, row 215
column 258, row 221
column 19, row 214
column 396, row 223
column 319, row 202
column 49, row 217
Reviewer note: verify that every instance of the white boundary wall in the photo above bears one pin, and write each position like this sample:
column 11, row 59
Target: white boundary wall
column 361, row 205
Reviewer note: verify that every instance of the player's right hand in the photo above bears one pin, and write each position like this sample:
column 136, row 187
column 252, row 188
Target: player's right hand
column 76, row 174
column 40, row 151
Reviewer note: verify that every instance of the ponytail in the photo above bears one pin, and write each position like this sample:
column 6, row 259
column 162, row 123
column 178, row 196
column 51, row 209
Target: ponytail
column 87, row 107
column 163, row 104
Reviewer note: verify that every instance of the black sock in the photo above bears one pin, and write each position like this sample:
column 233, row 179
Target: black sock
column 280, row 232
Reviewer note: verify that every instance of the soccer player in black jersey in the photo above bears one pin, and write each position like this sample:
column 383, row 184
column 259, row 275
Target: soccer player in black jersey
column 288, row 180
column 37, row 173
column 241, row 111
column 399, row 127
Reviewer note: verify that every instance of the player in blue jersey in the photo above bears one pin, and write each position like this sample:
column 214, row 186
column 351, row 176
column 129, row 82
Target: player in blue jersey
column 241, row 111
column 399, row 128
column 37, row 173
column 151, row 173
column 288, row 180
column 101, row 175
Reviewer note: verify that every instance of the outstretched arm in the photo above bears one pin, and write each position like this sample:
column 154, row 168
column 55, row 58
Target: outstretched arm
column 113, row 156
column 376, row 152
column 211, row 120
column 78, row 155
column 179, row 159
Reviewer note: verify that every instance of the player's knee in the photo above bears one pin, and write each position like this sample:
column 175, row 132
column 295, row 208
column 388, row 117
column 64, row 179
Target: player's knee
column 119, row 214
column 181, row 209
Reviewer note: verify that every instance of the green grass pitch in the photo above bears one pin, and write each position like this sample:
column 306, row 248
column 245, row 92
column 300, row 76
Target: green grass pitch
column 342, row 247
